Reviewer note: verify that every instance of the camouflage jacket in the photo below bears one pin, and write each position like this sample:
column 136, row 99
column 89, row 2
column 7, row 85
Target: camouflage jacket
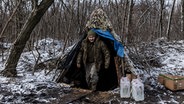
column 101, row 53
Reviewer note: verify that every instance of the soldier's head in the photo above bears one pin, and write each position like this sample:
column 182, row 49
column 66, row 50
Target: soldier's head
column 91, row 36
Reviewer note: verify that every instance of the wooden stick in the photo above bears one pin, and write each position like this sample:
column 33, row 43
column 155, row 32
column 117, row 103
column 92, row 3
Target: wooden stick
column 117, row 69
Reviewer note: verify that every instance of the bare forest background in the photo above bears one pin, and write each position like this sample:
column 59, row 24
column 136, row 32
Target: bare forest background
column 135, row 21
column 23, row 23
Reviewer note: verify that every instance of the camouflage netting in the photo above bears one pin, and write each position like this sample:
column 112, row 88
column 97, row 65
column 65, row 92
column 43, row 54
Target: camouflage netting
column 99, row 19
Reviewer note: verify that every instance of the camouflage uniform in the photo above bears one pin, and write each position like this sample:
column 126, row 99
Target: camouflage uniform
column 91, row 55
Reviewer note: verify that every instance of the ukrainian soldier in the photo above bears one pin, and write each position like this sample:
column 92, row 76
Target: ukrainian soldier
column 92, row 53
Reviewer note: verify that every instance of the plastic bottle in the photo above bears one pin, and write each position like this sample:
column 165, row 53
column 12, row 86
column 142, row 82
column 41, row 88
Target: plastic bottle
column 137, row 90
column 124, row 87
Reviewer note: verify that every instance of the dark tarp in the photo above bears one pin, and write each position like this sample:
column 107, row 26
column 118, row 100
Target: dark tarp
column 71, row 74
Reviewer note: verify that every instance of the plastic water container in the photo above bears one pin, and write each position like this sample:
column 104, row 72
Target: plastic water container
column 137, row 90
column 124, row 87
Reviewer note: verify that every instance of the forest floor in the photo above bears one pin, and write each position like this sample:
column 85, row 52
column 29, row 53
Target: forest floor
column 52, row 93
column 152, row 96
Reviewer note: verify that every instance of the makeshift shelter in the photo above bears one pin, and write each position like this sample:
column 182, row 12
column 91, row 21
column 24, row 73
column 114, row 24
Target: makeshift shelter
column 108, row 78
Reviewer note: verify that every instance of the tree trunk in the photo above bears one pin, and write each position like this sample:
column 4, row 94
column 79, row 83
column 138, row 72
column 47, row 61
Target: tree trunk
column 124, row 19
column 169, row 22
column 129, row 22
column 160, row 18
column 24, row 35
column 182, row 17
column 7, row 23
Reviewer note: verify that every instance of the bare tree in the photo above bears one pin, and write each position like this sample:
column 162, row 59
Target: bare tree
column 66, row 19
column 129, row 22
column 169, row 21
column 19, row 44
column 160, row 18
column 182, row 17
column 6, row 25
column 124, row 19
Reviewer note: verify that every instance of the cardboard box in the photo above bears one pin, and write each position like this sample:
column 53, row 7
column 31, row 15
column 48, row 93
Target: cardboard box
column 131, row 76
column 172, row 82
column 161, row 79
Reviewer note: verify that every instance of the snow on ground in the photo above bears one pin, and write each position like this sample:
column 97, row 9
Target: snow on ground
column 39, row 86
column 171, row 58
column 26, row 82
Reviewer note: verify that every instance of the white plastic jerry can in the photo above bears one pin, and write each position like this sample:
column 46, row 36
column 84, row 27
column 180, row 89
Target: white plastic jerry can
column 124, row 87
column 137, row 90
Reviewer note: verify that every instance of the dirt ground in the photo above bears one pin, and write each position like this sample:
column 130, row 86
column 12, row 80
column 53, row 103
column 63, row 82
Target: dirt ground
column 152, row 96
column 59, row 93
column 49, row 93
